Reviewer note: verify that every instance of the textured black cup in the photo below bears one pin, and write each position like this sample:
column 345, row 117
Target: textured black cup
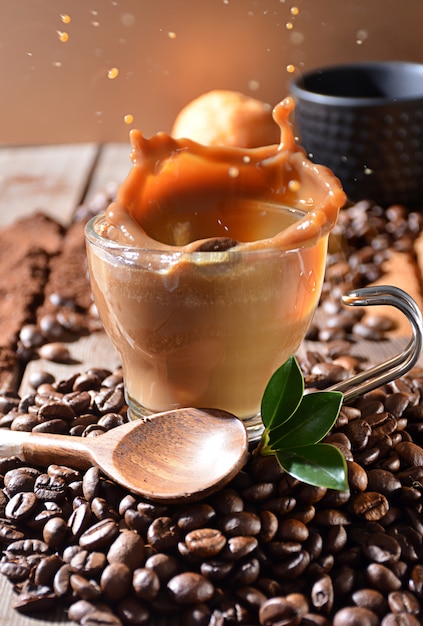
column 365, row 122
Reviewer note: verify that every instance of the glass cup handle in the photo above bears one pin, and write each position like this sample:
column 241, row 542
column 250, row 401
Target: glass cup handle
column 396, row 366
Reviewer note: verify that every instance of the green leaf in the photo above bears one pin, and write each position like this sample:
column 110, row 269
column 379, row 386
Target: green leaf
column 283, row 394
column 320, row 464
column 312, row 420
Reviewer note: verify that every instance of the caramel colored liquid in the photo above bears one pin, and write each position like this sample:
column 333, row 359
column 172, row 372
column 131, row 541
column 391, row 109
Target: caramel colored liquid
column 242, row 221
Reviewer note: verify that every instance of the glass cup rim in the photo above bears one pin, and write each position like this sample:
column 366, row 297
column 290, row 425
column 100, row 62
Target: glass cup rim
column 108, row 245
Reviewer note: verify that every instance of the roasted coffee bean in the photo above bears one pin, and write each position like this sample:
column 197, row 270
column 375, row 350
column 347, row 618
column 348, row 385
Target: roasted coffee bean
column 80, row 519
column 163, row 533
column 16, row 569
column 54, row 532
column 357, row 476
column 91, row 483
column 195, row 516
column 19, row 479
column 382, row 578
column 410, row 453
column 229, row 501
column 55, row 351
column 358, row 432
column 269, row 525
column 145, row 583
column 46, row 569
column 99, row 535
column 56, row 409
column 87, row 589
column 109, row 401
column 216, row 570
column 25, row 422
column 34, row 599
column 322, row 595
column 88, row 563
column 382, row 548
column 132, row 611
column 279, row 610
column 239, row 547
column 403, row 602
column 111, row 420
column 127, row 548
column 292, row 530
column 370, row 599
column 371, row 505
column 50, row 488
column 115, row 581
column 294, row 566
column 79, row 609
column 164, row 565
column 355, row 616
column 21, row 506
column 190, row 588
column 78, row 401
column 205, row 542
column 336, row 539
column 31, row 336
column 242, row 523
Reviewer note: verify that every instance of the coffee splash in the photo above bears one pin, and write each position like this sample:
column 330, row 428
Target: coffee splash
column 179, row 193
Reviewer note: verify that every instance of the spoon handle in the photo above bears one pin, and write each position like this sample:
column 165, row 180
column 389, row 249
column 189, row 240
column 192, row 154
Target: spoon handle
column 45, row 448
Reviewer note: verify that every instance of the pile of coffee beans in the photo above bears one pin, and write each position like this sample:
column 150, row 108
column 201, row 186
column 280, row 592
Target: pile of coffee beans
column 265, row 550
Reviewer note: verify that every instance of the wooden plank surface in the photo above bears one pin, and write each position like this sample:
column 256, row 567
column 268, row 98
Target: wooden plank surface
column 112, row 167
column 48, row 178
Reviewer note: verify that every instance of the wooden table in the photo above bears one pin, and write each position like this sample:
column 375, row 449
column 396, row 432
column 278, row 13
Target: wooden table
column 56, row 180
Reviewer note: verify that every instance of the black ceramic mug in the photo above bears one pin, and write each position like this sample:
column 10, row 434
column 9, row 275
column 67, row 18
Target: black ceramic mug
column 365, row 122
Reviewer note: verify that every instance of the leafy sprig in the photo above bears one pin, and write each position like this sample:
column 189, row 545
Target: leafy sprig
column 295, row 424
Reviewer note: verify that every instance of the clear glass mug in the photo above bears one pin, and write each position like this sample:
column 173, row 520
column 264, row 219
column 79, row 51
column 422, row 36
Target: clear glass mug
column 208, row 329
column 204, row 328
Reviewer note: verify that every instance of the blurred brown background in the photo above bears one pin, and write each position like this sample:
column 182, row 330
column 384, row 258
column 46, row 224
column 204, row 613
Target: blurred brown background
column 169, row 51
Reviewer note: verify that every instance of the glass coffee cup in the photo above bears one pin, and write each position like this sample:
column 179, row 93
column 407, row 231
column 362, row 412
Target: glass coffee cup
column 208, row 268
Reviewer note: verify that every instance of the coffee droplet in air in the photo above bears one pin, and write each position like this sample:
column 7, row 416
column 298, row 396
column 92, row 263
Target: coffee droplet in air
column 66, row 19
column 290, row 68
column 128, row 119
column 63, row 37
column 113, row 73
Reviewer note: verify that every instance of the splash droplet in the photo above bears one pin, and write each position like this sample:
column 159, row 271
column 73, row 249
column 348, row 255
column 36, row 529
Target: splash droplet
column 171, row 35
column 63, row 36
column 128, row 118
column 289, row 25
column 66, row 19
column 295, row 11
column 290, row 68
column 294, row 185
column 113, row 73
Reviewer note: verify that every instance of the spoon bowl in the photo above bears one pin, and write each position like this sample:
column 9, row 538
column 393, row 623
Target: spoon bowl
column 170, row 457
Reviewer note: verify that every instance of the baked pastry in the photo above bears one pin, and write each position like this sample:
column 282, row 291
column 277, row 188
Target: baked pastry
column 224, row 117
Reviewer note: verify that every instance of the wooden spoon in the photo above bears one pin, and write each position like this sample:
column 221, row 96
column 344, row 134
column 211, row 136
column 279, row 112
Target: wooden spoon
column 175, row 456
